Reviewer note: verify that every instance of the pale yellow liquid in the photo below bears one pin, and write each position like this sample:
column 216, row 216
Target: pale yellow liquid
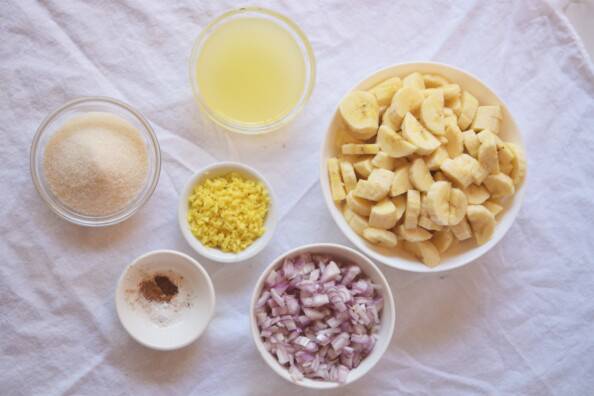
column 251, row 70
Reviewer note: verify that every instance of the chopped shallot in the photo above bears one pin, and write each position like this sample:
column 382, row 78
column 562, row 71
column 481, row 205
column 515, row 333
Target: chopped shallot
column 319, row 316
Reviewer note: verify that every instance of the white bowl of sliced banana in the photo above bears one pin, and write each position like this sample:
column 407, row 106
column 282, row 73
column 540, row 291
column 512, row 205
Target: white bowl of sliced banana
column 423, row 167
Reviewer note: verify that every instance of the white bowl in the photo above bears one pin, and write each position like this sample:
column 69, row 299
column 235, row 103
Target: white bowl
column 215, row 170
column 465, row 252
column 188, row 323
column 388, row 315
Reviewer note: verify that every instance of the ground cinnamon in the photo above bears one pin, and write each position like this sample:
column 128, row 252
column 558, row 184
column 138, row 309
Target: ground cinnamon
column 158, row 288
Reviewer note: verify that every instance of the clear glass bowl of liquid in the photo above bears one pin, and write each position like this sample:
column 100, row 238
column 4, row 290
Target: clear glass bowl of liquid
column 252, row 70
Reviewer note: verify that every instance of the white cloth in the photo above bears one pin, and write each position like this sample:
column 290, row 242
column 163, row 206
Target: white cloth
column 518, row 321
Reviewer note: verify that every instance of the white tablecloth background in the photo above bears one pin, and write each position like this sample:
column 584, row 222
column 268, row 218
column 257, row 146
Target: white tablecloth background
column 519, row 321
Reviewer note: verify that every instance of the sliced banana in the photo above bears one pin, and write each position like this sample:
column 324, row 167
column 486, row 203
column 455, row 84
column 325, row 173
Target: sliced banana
column 476, row 195
column 506, row 157
column 348, row 175
column 384, row 161
column 432, row 112
column 360, row 112
column 419, row 175
column 383, row 177
column 336, row 186
column 428, row 224
column 415, row 234
column 460, row 169
column 518, row 172
column 487, row 117
column 357, row 223
column 400, row 204
column 363, row 168
column 487, row 153
column 359, row 205
column 434, row 80
column 391, row 118
column 400, row 182
column 413, row 209
column 383, row 215
column 471, row 142
column 455, row 144
column 406, row 99
column 369, row 190
column 462, row 230
column 482, row 222
column 493, row 207
column 393, row 144
column 425, row 251
column 469, row 105
column 499, row 185
column 360, row 149
column 414, row 132
column 414, row 80
column 442, row 240
column 380, row 237
column 385, row 90
column 449, row 91
column 445, row 205
column 436, row 158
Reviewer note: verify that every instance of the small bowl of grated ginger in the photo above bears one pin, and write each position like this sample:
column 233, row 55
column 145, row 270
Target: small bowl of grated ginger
column 227, row 212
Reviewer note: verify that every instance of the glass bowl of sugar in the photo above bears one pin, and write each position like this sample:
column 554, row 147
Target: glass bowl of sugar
column 95, row 161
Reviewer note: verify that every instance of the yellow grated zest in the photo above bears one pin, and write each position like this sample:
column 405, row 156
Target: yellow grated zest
column 228, row 212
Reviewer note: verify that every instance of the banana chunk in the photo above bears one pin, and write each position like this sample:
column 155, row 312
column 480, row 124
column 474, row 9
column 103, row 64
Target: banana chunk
column 358, row 205
column 469, row 105
column 336, row 186
column 369, row 190
column 360, row 149
column 476, row 195
column 383, row 177
column 471, row 142
column 363, row 168
column 415, row 234
column 383, row 215
column 499, row 185
column 436, row 158
column 425, row 251
column 419, row 175
column 449, row 91
column 413, row 209
column 380, row 237
column 360, row 112
column 428, row 224
column 401, row 182
column 400, row 204
column 432, row 112
column 518, row 172
column 487, row 117
column 391, row 118
column 445, row 205
column 455, row 144
column 442, row 240
column 414, row 132
column 348, row 175
column 460, row 169
column 493, row 207
column 407, row 99
column 482, row 222
column 487, row 153
column 414, row 80
column 455, row 105
column 393, row 144
column 385, row 90
column 506, row 157
column 434, row 80
column 384, row 161
column 462, row 230
column 357, row 223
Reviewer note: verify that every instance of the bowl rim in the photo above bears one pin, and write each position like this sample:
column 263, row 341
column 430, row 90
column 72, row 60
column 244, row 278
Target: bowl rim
column 215, row 254
column 389, row 303
column 308, row 57
column 475, row 252
column 95, row 221
column 203, row 273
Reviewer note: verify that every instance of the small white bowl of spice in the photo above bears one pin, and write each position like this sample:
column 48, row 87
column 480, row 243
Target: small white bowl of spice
column 165, row 299
column 227, row 212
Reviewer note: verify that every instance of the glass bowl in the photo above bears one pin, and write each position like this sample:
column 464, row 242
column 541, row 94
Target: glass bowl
column 250, row 128
column 56, row 119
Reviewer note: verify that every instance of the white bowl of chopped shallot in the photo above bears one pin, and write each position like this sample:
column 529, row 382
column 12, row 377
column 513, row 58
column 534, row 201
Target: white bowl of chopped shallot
column 322, row 315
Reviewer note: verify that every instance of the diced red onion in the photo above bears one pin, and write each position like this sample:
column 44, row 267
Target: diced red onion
column 318, row 316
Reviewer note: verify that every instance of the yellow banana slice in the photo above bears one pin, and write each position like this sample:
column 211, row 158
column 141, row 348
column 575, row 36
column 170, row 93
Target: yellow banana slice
column 499, row 185
column 482, row 222
column 414, row 132
column 360, row 112
column 413, row 209
column 336, row 186
column 358, row 205
column 419, row 175
column 469, row 105
column 380, row 237
column 383, row 215
column 487, row 117
column 400, row 182
column 393, row 144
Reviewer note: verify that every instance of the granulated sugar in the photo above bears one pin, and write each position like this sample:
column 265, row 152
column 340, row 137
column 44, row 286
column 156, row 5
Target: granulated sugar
column 96, row 163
